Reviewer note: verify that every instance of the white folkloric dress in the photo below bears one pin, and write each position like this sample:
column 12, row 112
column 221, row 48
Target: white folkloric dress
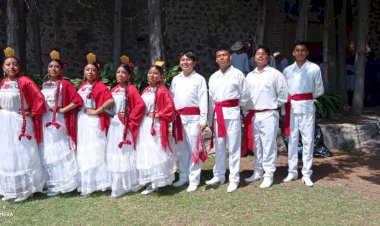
column 121, row 161
column 57, row 150
column 21, row 172
column 155, row 165
column 91, row 148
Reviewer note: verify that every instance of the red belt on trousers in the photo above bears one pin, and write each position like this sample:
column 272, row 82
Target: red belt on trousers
column 218, row 110
column 248, row 130
column 177, row 127
column 302, row 96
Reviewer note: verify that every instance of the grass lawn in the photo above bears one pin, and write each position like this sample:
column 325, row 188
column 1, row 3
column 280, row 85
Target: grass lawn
column 282, row 204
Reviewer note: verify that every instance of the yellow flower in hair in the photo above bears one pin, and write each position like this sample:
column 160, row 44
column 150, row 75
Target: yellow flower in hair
column 91, row 58
column 124, row 59
column 9, row 52
column 54, row 55
column 159, row 63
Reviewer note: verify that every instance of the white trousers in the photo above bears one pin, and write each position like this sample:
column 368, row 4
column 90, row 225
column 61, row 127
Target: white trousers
column 304, row 124
column 232, row 142
column 265, row 134
column 188, row 170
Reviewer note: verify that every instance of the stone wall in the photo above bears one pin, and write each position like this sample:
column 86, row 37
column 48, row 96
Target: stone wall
column 76, row 29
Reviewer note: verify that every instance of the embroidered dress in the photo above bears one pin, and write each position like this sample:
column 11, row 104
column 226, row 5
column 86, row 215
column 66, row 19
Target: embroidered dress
column 121, row 158
column 21, row 172
column 91, row 145
column 57, row 150
column 155, row 164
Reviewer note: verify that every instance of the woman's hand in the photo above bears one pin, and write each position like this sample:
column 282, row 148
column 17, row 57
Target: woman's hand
column 153, row 115
column 91, row 111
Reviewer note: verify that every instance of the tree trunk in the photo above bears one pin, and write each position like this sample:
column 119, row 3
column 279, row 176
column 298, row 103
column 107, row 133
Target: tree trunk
column 325, row 47
column 155, row 28
column 360, row 58
column 117, row 34
column 332, row 49
column 261, row 18
column 302, row 22
column 16, row 29
column 342, row 43
column 36, row 37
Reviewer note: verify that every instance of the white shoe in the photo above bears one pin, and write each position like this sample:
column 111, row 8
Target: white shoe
column 307, row 181
column 179, row 183
column 254, row 177
column 192, row 188
column 290, row 177
column 51, row 194
column 232, row 187
column 267, row 182
column 117, row 195
column 214, row 180
column 23, row 198
column 6, row 198
column 149, row 189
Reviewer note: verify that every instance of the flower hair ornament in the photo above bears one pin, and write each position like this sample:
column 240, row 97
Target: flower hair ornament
column 125, row 60
column 91, row 59
column 9, row 52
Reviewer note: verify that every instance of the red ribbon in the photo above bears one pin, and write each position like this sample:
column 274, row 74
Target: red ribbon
column 296, row 97
column 218, row 110
column 125, row 119
column 56, row 98
column 128, row 142
column 200, row 153
column 23, row 127
column 177, row 124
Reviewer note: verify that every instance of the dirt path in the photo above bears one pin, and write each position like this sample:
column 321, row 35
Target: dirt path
column 356, row 170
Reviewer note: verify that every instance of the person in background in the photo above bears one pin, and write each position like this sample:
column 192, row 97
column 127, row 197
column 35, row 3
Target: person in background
column 189, row 92
column 305, row 84
column 93, row 124
column 21, row 107
column 59, row 130
column 155, row 159
column 281, row 61
column 129, row 110
column 239, row 58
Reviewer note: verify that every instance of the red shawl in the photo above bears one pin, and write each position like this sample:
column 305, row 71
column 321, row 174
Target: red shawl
column 101, row 94
column 136, row 111
column 70, row 95
column 36, row 103
column 164, row 107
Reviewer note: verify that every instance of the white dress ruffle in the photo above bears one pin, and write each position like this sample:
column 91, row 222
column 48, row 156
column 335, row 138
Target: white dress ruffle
column 121, row 162
column 21, row 172
column 155, row 165
column 91, row 146
column 57, row 150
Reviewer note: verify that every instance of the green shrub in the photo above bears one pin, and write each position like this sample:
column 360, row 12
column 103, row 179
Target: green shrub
column 327, row 105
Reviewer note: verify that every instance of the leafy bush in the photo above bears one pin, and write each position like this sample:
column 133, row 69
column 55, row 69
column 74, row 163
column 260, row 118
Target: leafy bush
column 327, row 105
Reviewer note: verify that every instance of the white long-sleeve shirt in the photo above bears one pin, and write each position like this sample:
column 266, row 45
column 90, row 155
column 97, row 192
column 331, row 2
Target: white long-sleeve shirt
column 227, row 86
column 190, row 91
column 267, row 90
column 304, row 79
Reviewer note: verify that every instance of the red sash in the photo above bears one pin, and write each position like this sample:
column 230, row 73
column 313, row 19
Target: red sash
column 218, row 110
column 248, row 142
column 177, row 127
column 301, row 96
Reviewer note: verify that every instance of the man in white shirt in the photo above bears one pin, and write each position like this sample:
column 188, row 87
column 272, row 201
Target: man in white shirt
column 189, row 92
column 227, row 92
column 267, row 92
column 305, row 83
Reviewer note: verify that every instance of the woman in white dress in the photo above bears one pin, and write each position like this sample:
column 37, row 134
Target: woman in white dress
column 155, row 159
column 59, row 130
column 21, row 107
column 93, row 124
column 122, row 134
